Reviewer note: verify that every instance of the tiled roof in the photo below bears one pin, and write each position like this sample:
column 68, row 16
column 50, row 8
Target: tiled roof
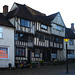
column 51, row 17
column 69, row 33
column 5, row 22
column 24, row 11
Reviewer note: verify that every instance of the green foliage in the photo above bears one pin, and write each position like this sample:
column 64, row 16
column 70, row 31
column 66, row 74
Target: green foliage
column 41, row 62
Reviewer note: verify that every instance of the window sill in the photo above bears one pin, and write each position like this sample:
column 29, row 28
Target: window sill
column 4, row 59
column 25, row 26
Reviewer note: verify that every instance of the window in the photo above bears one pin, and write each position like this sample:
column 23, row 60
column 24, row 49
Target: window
column 41, row 37
column 1, row 34
column 4, row 53
column 20, row 52
column 71, row 41
column 16, row 36
column 25, row 23
column 22, row 22
column 56, row 39
column 51, row 38
column 60, row 28
column 37, row 35
column 37, row 53
column 70, row 52
column 46, row 37
column 61, row 40
column 43, row 26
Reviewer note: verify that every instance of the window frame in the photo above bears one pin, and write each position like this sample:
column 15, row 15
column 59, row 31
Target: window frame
column 43, row 27
column 20, row 48
column 37, row 53
column 27, row 23
column 8, row 53
column 42, row 39
column 59, row 28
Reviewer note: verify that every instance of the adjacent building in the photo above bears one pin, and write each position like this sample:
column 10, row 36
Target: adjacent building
column 7, row 54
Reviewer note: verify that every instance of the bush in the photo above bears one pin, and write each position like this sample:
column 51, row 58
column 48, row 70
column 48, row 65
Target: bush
column 41, row 62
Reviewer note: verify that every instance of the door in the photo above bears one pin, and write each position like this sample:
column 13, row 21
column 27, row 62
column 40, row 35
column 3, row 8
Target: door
column 29, row 56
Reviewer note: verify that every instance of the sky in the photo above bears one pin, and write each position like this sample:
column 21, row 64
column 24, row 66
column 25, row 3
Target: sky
column 65, row 7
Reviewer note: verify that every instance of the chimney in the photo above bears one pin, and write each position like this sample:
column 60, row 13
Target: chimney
column 5, row 9
column 72, row 26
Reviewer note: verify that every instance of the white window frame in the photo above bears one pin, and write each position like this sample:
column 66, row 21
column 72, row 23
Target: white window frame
column 1, row 32
column 8, row 53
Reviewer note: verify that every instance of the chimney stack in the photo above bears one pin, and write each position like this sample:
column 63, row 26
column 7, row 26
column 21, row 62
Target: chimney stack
column 72, row 26
column 5, row 9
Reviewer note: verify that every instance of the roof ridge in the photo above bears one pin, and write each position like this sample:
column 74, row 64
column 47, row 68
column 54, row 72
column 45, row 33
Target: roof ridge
column 54, row 14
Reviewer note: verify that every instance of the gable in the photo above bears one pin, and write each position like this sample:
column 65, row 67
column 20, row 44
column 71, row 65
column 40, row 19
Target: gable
column 13, row 7
column 58, row 20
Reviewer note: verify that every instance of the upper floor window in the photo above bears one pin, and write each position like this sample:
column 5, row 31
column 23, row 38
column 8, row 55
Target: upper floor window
column 56, row 39
column 60, row 28
column 41, row 37
column 43, row 26
column 1, row 32
column 25, row 23
column 16, row 36
column 61, row 40
column 71, row 41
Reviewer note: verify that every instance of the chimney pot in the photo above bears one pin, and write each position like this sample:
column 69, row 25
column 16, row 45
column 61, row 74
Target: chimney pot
column 5, row 9
column 72, row 26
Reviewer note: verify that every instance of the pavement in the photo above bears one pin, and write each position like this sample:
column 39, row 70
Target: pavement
column 72, row 72
column 43, row 70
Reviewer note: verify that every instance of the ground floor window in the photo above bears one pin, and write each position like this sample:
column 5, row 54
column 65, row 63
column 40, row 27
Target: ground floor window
column 4, row 53
column 54, row 54
column 37, row 53
column 20, row 51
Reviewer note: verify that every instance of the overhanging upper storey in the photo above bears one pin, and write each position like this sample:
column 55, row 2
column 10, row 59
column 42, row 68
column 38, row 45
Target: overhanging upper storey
column 58, row 26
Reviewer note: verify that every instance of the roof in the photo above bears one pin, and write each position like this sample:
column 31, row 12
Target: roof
column 69, row 33
column 4, row 21
column 51, row 17
column 23, row 11
column 42, row 19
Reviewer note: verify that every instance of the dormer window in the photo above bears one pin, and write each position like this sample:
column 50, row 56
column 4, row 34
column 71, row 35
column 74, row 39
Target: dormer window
column 25, row 23
column 43, row 26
